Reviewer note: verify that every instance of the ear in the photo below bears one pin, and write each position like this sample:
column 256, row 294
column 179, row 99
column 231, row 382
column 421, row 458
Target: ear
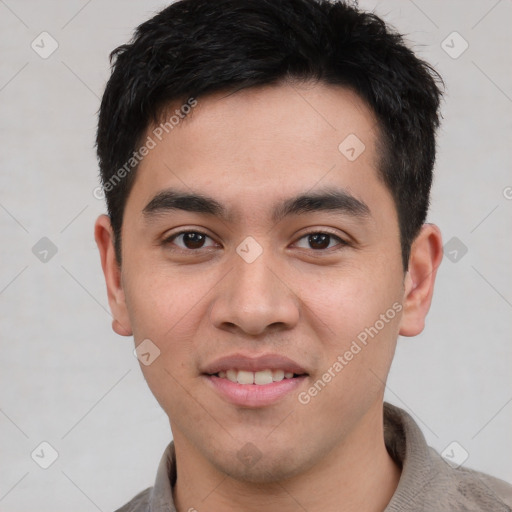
column 104, row 237
column 425, row 258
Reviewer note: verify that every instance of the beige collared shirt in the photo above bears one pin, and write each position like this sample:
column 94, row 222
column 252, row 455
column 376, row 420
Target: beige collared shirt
column 427, row 482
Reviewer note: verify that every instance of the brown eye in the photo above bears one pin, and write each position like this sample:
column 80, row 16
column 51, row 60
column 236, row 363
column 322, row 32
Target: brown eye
column 188, row 240
column 321, row 241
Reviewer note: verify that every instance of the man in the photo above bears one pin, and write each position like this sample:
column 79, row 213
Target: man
column 267, row 168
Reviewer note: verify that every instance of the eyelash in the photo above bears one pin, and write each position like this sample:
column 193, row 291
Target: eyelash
column 342, row 243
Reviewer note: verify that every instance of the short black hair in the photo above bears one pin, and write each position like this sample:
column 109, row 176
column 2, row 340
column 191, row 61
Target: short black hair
column 196, row 47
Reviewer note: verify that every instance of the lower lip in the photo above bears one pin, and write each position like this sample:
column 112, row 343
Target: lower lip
column 254, row 395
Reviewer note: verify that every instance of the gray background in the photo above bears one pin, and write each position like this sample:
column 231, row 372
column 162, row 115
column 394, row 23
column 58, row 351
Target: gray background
column 67, row 379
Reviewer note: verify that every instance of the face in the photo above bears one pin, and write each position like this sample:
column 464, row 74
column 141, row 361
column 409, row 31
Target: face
column 249, row 270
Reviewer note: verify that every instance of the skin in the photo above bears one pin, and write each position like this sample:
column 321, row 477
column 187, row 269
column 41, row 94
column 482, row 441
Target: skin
column 250, row 150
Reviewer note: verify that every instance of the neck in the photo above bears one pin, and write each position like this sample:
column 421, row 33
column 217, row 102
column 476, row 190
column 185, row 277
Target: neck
column 358, row 475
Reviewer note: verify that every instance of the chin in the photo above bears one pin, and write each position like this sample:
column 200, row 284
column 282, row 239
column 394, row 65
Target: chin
column 262, row 468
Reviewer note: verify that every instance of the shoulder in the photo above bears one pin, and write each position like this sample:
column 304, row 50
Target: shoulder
column 429, row 482
column 468, row 489
column 139, row 503
column 502, row 489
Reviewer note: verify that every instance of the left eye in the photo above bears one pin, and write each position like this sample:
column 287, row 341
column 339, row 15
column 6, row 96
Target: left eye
column 320, row 240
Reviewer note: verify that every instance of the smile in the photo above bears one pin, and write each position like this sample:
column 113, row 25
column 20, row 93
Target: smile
column 254, row 391
column 260, row 378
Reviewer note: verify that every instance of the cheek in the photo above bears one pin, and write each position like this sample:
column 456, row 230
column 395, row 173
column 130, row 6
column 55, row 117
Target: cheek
column 168, row 310
column 347, row 302
column 361, row 326
column 359, row 316
column 160, row 302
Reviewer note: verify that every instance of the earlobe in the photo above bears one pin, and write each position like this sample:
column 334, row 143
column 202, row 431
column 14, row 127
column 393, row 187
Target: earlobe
column 120, row 329
column 425, row 258
column 104, row 237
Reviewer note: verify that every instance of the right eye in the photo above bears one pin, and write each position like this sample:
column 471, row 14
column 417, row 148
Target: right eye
column 190, row 240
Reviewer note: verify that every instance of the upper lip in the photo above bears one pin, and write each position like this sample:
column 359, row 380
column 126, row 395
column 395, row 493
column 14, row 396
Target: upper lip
column 253, row 364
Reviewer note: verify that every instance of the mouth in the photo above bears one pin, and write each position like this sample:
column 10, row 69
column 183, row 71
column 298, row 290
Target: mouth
column 258, row 378
column 246, row 380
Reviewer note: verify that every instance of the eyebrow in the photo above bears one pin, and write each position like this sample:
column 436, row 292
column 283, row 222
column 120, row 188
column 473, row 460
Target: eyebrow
column 328, row 199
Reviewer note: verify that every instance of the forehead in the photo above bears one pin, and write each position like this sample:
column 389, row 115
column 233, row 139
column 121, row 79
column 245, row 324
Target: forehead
column 261, row 143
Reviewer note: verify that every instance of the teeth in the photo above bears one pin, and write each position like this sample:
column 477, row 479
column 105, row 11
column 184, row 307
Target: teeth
column 263, row 377
column 245, row 377
column 278, row 375
column 260, row 378
column 231, row 375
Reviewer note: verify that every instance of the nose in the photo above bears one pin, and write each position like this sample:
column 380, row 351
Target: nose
column 255, row 297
